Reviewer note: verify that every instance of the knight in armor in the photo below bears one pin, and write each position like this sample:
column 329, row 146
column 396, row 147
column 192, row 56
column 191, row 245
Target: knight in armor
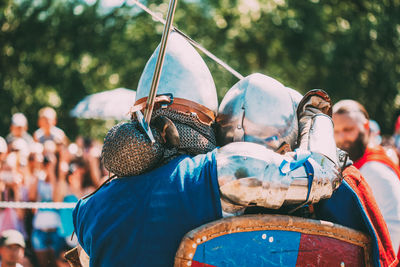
column 349, row 204
column 183, row 180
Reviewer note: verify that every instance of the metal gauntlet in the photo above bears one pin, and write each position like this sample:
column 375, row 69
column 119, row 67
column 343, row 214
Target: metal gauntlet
column 252, row 175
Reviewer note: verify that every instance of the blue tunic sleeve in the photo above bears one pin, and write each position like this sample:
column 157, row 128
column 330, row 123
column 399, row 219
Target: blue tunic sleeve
column 140, row 221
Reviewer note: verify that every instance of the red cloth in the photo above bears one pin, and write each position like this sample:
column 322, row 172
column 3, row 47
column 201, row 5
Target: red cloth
column 387, row 256
column 377, row 153
column 397, row 128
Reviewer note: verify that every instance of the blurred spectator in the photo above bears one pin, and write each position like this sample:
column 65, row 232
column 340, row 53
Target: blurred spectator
column 46, row 170
column 396, row 135
column 91, row 155
column 8, row 216
column 17, row 159
column 377, row 139
column 397, row 126
column 18, row 154
column 390, row 148
column 375, row 133
column 12, row 183
column 3, row 150
column 78, row 182
column 90, row 152
column 12, row 248
column 18, row 129
column 45, row 240
column 352, row 134
column 76, row 185
column 53, row 138
column 47, row 127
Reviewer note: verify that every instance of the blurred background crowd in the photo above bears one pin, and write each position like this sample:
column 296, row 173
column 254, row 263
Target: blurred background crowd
column 45, row 167
column 55, row 52
column 48, row 167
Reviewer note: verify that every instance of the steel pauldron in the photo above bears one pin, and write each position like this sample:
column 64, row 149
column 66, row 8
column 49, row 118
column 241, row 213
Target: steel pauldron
column 250, row 174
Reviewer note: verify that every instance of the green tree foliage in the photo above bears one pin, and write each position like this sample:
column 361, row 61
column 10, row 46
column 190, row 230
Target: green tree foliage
column 55, row 52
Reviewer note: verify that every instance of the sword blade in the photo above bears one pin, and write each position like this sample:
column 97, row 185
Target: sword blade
column 193, row 42
column 160, row 60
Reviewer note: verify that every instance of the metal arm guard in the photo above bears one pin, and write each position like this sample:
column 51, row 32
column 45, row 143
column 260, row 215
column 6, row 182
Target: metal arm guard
column 320, row 138
column 249, row 174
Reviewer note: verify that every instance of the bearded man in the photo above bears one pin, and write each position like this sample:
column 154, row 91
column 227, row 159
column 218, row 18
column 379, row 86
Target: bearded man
column 352, row 134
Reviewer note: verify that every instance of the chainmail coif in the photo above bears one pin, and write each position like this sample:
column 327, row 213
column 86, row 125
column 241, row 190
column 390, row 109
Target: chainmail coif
column 127, row 151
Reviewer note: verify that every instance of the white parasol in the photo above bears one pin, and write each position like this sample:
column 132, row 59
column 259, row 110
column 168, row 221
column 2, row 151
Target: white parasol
column 112, row 104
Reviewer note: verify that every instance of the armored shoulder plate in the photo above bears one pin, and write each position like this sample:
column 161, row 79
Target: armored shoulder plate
column 251, row 175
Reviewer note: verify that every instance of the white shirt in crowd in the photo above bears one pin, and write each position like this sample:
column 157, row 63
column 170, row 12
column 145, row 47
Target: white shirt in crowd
column 385, row 186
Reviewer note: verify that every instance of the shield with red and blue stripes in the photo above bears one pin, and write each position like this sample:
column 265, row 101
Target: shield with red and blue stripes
column 273, row 240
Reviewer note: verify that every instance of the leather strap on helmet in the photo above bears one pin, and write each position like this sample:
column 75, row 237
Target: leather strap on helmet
column 205, row 115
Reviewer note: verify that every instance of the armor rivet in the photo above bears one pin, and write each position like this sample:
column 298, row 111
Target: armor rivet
column 271, row 239
column 239, row 127
column 264, row 236
column 204, row 238
column 191, row 255
column 194, row 245
column 189, row 263
column 198, row 240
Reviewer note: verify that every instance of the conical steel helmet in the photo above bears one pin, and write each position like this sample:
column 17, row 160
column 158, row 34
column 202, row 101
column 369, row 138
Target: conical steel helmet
column 184, row 74
column 258, row 109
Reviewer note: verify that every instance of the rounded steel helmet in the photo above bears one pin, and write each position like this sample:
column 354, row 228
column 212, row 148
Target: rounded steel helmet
column 258, row 109
column 186, row 99
column 184, row 75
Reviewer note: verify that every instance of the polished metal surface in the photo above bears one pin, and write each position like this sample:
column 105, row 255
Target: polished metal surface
column 321, row 139
column 327, row 177
column 250, row 174
column 160, row 61
column 184, row 74
column 258, row 109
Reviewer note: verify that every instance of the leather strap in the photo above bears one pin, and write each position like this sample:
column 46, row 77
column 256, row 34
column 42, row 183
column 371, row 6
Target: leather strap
column 180, row 104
